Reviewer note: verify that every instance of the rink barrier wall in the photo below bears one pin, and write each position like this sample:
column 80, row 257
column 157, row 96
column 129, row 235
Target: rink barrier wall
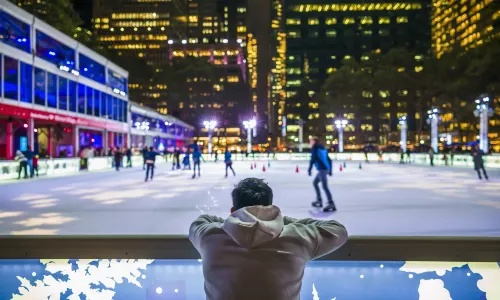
column 64, row 166
column 358, row 248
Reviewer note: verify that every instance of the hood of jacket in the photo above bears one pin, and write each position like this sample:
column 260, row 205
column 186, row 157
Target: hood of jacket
column 254, row 225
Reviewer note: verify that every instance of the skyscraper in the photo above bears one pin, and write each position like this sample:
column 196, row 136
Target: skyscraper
column 465, row 24
column 162, row 32
column 321, row 35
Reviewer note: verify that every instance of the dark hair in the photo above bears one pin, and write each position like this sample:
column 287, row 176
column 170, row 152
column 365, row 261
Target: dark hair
column 252, row 192
column 314, row 138
column 150, row 148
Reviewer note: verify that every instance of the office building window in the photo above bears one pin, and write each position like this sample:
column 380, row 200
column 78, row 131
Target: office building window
column 348, row 21
column 63, row 93
column 11, row 69
column 109, row 106
column 384, row 20
column 54, row 51
column 14, row 32
column 91, row 69
column 313, row 21
column 115, row 108
column 72, row 96
column 402, row 19
column 97, row 103
column 26, row 83
column 51, row 90
column 294, row 34
column 313, row 33
column 90, row 101
column 330, row 21
column 331, row 33
column 81, row 98
column 40, row 80
column 125, row 111
column 384, row 32
column 103, row 105
column 292, row 21
column 367, row 32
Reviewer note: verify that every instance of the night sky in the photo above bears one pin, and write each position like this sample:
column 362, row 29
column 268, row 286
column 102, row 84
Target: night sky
column 84, row 9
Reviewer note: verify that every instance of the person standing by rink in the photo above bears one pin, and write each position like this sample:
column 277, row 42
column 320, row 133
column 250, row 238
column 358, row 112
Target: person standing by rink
column 144, row 152
column 380, row 156
column 197, row 157
column 320, row 159
column 118, row 158
column 128, row 153
column 477, row 155
column 150, row 163
column 228, row 161
column 23, row 164
column 431, row 156
column 401, row 156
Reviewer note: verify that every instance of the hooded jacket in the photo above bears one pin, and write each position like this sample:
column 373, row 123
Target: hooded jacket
column 258, row 254
column 20, row 156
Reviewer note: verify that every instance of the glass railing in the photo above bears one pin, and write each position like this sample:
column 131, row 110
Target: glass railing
column 169, row 268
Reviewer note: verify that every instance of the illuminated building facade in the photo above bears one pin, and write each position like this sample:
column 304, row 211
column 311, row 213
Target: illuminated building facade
column 463, row 23
column 321, row 35
column 221, row 97
column 149, row 29
column 266, row 47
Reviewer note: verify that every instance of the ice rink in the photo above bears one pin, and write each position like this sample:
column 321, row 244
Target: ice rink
column 386, row 199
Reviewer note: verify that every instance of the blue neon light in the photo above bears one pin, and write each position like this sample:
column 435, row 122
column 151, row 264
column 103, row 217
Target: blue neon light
column 52, row 53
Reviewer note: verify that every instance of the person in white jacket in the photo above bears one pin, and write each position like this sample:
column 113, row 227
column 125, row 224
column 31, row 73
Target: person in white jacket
column 256, row 253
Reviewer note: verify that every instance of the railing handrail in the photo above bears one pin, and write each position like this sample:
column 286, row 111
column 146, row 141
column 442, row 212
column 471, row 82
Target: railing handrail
column 359, row 248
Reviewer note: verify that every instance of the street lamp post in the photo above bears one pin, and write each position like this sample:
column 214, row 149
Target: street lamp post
column 484, row 112
column 249, row 125
column 433, row 120
column 210, row 126
column 301, row 135
column 404, row 132
column 341, row 124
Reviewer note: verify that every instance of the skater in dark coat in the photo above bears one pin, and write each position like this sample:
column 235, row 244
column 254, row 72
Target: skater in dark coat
column 150, row 163
column 118, row 158
column 320, row 159
column 477, row 155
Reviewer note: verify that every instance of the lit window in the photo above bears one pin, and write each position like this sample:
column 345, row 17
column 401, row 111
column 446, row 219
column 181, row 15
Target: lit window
column 293, row 71
column 330, row 21
column 292, row 21
column 365, row 57
column 367, row 32
column 294, row 34
column 241, row 9
column 313, row 21
column 331, row 70
column 419, row 69
column 348, row 21
column 294, row 83
column 384, row 20
column 402, row 19
column 331, row 33
column 366, row 20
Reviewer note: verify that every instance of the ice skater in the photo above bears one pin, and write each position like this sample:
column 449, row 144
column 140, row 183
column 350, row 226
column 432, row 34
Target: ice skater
column 431, row 156
column 118, row 158
column 197, row 157
column 23, row 164
column 228, row 161
column 380, row 156
column 186, row 162
column 477, row 155
column 320, row 159
column 150, row 163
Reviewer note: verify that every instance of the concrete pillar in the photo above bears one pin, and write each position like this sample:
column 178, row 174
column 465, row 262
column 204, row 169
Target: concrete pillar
column 76, row 141
column 49, row 142
column 10, row 141
column 31, row 133
column 105, row 140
